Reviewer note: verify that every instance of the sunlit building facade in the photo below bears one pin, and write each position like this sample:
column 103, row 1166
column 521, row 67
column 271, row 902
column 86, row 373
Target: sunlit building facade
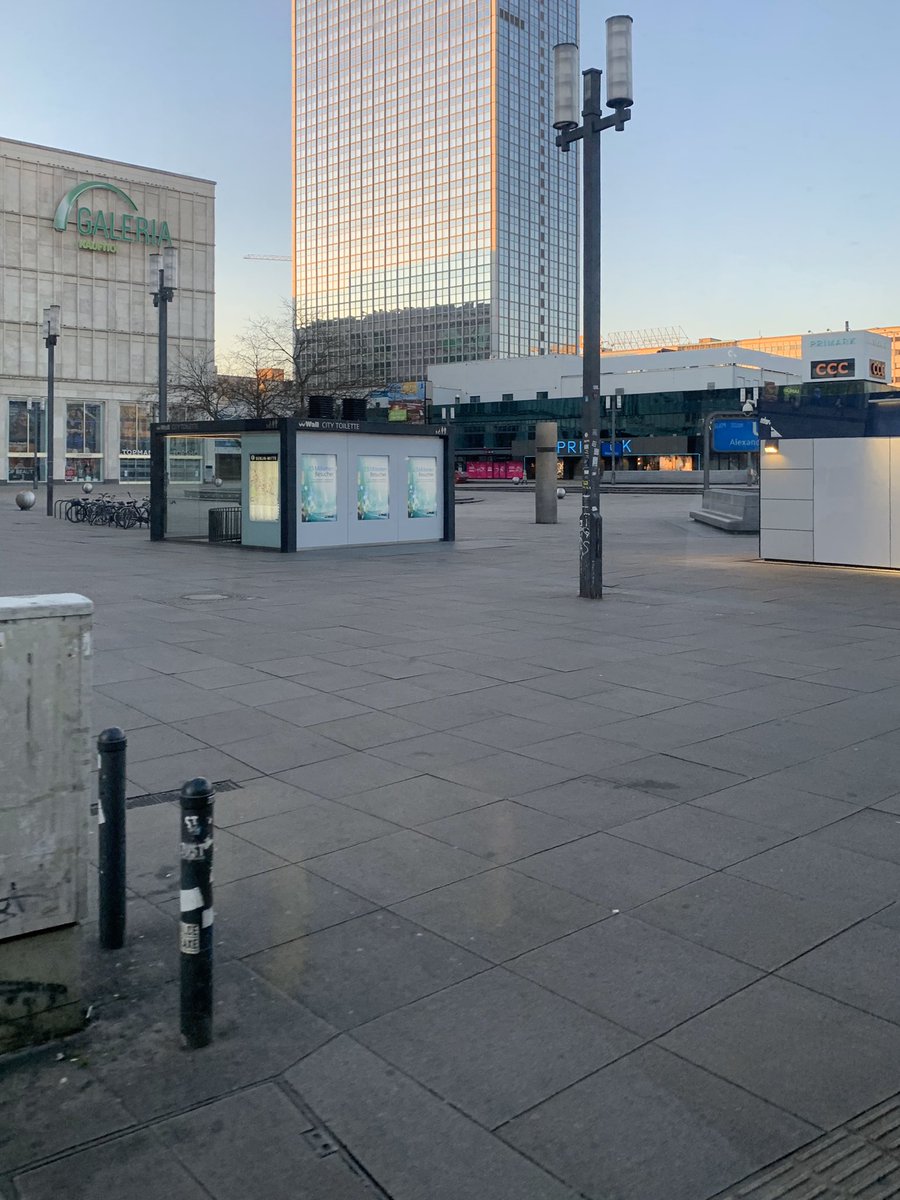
column 436, row 221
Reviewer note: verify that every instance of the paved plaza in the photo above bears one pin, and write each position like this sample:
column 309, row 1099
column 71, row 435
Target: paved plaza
column 518, row 896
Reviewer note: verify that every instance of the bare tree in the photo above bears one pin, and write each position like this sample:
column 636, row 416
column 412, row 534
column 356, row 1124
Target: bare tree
column 198, row 391
column 272, row 369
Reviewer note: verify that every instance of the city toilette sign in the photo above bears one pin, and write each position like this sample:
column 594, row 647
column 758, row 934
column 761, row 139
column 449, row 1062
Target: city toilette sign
column 101, row 229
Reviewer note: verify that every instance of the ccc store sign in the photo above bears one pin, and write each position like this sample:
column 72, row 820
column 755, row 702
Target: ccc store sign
column 833, row 368
column 877, row 369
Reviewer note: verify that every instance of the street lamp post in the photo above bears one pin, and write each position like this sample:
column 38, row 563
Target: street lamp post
column 51, row 330
column 163, row 284
column 620, row 97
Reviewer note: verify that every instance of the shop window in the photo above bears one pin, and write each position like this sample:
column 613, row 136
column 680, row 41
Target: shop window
column 84, row 435
column 26, row 431
column 134, row 443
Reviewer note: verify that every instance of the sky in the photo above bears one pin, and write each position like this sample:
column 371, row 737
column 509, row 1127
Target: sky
column 755, row 190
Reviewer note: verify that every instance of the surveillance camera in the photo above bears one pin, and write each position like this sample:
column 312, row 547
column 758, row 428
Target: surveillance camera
column 748, row 406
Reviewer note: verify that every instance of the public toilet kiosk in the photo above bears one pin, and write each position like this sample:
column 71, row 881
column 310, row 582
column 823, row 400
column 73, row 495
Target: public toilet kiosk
column 295, row 484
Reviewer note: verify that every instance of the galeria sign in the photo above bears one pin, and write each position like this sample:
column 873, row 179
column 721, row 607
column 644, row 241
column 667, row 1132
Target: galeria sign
column 100, row 229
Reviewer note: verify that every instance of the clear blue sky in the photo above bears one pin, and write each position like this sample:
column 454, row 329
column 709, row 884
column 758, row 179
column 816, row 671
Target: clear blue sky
column 755, row 190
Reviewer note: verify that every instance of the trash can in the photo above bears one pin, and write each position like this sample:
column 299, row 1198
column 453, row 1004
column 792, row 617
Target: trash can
column 225, row 525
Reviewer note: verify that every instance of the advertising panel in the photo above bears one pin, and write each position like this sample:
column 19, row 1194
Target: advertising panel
column 373, row 487
column 263, row 488
column 421, row 487
column 318, row 487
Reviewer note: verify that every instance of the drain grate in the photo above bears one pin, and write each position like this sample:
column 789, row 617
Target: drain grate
column 858, row 1162
column 222, row 785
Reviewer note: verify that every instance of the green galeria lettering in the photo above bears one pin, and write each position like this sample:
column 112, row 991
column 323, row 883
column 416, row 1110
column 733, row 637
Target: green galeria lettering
column 108, row 225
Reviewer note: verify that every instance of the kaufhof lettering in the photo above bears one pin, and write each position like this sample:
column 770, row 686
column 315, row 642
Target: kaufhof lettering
column 833, row 368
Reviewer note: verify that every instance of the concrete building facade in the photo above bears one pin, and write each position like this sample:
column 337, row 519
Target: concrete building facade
column 77, row 231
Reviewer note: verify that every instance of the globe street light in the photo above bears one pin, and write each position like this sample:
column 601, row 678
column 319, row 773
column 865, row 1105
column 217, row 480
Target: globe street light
column 619, row 97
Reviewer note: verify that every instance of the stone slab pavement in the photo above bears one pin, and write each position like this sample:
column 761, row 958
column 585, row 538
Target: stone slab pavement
column 517, row 895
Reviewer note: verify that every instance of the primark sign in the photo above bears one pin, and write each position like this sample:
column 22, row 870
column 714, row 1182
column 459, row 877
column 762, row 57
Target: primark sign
column 104, row 227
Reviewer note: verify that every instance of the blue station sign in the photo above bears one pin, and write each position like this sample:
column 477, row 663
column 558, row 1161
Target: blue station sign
column 735, row 436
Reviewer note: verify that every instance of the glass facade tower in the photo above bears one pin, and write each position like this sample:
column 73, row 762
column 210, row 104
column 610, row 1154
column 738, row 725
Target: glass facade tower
column 436, row 221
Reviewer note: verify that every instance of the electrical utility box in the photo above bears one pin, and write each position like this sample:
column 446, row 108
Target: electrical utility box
column 45, row 774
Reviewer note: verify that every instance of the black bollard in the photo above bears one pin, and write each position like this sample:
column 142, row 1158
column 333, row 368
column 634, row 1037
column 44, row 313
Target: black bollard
column 111, row 747
column 196, row 913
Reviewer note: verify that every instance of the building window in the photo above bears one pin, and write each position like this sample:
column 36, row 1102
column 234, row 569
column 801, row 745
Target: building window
column 26, row 426
column 542, row 396
column 507, row 396
column 84, row 448
column 474, row 399
column 134, row 443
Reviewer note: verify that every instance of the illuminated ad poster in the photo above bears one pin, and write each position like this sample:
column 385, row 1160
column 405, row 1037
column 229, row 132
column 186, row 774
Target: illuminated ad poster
column 373, row 487
column 264, row 499
column 421, row 487
column 318, row 487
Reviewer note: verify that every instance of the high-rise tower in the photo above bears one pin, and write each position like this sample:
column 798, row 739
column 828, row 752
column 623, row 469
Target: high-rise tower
column 435, row 218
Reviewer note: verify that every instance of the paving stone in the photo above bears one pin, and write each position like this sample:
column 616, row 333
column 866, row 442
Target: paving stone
column 812, row 868
column 273, row 752
column 253, row 1142
column 370, row 729
column 222, row 676
column 504, row 831
column 496, row 1044
column 411, row 1142
column 388, row 693
column 221, row 729
column 167, row 699
column 278, row 906
column 310, row 829
column 644, row 979
column 257, row 1032
column 394, row 867
column 670, row 777
column 874, row 833
column 448, row 712
column 652, row 1125
column 432, row 749
column 858, row 967
column 770, row 1038
column 854, row 774
column 52, row 1101
column 594, row 804
column 364, row 968
column 347, row 775
column 414, row 801
column 256, row 798
column 761, row 801
column 314, row 709
column 157, row 741
column 758, row 925
column 170, row 772
column 700, row 835
column 610, row 871
column 135, row 1165
column 505, row 773
column 500, row 913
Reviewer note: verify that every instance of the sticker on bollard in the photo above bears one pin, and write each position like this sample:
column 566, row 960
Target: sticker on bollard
column 196, row 926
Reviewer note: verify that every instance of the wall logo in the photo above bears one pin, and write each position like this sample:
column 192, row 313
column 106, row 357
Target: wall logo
column 877, row 369
column 833, row 368
column 102, row 230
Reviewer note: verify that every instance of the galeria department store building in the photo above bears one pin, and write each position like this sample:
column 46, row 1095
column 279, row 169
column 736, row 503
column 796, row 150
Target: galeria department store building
column 77, row 231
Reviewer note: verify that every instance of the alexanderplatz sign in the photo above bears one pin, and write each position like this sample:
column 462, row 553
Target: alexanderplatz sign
column 99, row 229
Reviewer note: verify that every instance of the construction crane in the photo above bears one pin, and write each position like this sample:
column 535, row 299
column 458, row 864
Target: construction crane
column 269, row 257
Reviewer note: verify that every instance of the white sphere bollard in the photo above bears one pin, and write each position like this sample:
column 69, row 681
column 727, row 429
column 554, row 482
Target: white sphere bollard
column 560, row 493
column 516, row 481
column 25, row 500
column 217, row 482
column 87, row 488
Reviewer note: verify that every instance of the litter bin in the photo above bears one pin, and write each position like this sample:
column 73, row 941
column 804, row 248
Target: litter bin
column 225, row 525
